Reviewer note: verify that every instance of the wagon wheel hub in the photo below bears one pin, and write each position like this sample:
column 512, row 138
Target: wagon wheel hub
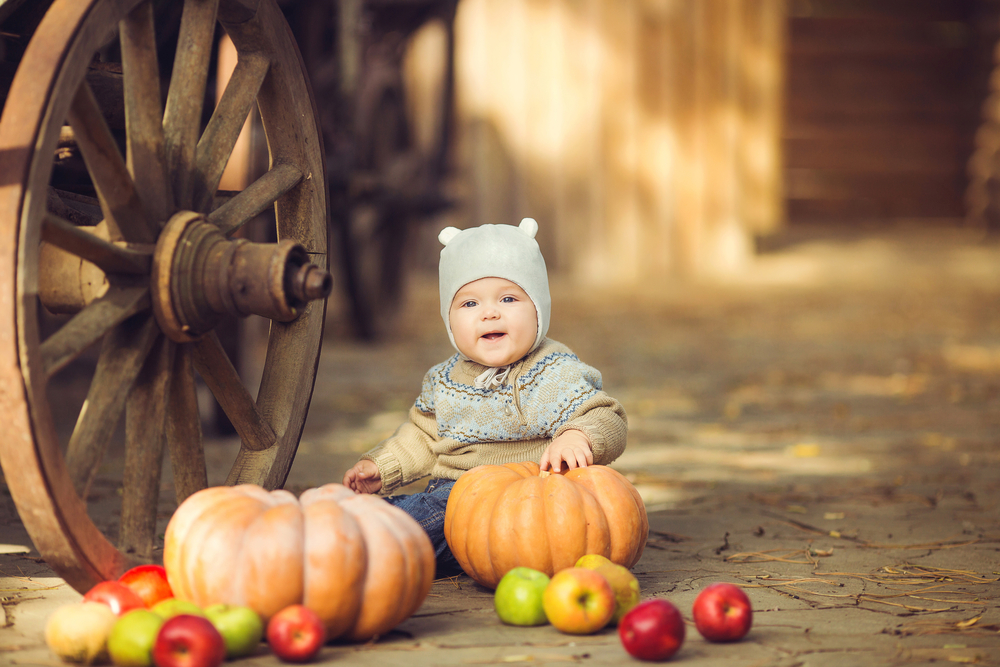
column 199, row 276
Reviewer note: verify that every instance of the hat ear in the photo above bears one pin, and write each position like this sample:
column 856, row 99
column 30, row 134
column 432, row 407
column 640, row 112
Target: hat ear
column 529, row 227
column 447, row 234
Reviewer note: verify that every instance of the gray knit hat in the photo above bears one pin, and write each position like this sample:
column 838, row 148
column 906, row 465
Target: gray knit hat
column 494, row 251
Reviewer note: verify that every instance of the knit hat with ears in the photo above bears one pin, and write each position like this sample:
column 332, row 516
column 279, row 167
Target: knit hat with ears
column 494, row 251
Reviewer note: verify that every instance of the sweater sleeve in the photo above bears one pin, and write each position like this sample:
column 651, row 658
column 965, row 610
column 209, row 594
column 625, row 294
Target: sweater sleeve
column 602, row 419
column 407, row 455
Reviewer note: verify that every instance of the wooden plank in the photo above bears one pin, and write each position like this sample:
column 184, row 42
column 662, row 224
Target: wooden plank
column 107, row 256
column 145, row 152
column 258, row 196
column 184, row 441
column 215, row 368
column 935, row 10
column 123, row 353
column 186, row 97
column 145, row 432
column 217, row 142
column 874, row 154
column 90, row 325
column 123, row 210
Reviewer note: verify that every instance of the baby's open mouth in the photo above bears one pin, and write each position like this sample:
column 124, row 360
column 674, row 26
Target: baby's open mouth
column 494, row 335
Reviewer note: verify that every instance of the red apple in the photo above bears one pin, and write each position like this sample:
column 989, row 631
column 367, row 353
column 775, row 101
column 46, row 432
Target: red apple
column 118, row 596
column 296, row 633
column 722, row 613
column 579, row 601
column 149, row 582
column 652, row 630
column 188, row 641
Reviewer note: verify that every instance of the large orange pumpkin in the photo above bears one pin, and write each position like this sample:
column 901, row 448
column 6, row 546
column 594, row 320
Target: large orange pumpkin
column 502, row 517
column 361, row 564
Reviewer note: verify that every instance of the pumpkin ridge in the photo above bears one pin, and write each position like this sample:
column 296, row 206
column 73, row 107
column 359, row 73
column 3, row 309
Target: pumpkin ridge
column 642, row 523
column 413, row 565
column 271, row 566
column 461, row 485
column 207, row 591
column 199, row 546
column 175, row 537
column 385, row 569
column 333, row 577
column 481, row 515
column 532, row 542
column 565, row 521
column 628, row 525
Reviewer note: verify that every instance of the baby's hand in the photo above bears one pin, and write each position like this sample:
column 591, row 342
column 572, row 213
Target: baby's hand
column 571, row 446
column 363, row 477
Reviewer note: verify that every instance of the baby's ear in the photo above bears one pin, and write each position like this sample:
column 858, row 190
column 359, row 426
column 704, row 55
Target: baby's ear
column 447, row 234
column 529, row 227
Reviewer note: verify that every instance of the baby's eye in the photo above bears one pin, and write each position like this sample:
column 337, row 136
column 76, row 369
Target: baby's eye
column 469, row 304
column 508, row 299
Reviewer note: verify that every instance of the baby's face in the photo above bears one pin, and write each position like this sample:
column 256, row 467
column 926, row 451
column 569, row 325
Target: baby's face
column 493, row 321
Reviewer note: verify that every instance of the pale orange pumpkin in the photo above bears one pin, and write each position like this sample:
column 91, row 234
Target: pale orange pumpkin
column 363, row 565
column 502, row 517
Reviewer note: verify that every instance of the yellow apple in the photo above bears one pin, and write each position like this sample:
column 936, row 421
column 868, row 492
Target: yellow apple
column 579, row 601
column 625, row 586
column 592, row 561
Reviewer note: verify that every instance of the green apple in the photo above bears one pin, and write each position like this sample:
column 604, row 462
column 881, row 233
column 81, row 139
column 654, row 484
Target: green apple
column 625, row 586
column 132, row 637
column 518, row 598
column 175, row 607
column 241, row 628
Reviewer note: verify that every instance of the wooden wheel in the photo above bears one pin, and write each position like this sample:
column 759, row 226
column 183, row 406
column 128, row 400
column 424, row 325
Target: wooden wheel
column 139, row 252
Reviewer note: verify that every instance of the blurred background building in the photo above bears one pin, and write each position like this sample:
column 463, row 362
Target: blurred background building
column 652, row 139
column 659, row 138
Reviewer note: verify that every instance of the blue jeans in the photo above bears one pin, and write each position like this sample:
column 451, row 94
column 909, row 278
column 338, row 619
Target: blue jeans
column 427, row 508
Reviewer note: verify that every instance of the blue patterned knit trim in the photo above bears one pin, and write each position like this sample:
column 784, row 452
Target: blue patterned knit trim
column 550, row 393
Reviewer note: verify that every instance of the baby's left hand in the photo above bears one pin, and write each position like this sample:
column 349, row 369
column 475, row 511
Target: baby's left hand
column 571, row 446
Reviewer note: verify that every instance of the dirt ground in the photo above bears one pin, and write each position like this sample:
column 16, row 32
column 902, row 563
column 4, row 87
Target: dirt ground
column 822, row 431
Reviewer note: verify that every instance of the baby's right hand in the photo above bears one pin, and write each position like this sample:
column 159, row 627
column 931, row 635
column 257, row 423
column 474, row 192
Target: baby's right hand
column 363, row 477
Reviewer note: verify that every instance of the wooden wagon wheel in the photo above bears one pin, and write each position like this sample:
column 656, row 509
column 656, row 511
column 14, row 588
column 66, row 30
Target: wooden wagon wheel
column 151, row 273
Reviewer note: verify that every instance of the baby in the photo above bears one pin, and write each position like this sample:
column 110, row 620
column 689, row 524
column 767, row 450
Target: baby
column 509, row 395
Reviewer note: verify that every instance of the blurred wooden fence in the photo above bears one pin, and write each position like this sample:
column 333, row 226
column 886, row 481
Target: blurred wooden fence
column 882, row 100
column 644, row 135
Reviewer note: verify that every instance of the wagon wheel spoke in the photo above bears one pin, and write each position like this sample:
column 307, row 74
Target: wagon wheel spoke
column 217, row 371
column 187, row 454
column 107, row 256
column 182, row 117
column 123, row 211
column 123, row 352
column 145, row 421
column 144, row 111
column 90, row 325
column 219, row 139
column 257, row 197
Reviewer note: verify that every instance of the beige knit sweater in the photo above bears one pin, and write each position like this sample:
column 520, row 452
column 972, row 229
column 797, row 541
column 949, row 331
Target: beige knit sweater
column 454, row 427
